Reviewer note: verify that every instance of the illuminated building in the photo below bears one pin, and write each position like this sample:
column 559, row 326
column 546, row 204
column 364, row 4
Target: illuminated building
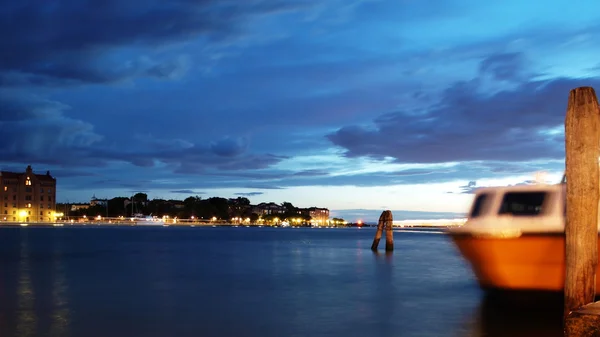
column 27, row 196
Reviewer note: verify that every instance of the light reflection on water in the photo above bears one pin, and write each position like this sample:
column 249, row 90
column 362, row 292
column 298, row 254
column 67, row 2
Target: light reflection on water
column 245, row 282
column 60, row 305
column 27, row 320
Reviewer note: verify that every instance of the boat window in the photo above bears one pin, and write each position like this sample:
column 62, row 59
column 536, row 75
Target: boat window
column 522, row 203
column 478, row 205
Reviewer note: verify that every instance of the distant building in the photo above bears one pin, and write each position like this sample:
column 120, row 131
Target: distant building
column 317, row 215
column 268, row 209
column 98, row 202
column 27, row 196
column 77, row 207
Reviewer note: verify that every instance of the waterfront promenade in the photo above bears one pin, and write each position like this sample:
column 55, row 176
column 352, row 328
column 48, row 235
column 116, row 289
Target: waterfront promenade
column 211, row 223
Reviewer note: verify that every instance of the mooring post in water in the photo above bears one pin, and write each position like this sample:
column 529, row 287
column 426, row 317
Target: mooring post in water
column 377, row 238
column 389, row 233
column 582, row 145
column 385, row 221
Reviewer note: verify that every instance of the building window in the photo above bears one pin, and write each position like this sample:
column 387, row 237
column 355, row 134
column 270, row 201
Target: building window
column 28, row 197
column 14, row 212
column 14, row 204
column 42, row 198
column 49, row 191
column 29, row 214
column 5, row 188
column 28, row 182
column 41, row 190
column 29, row 206
column 49, row 206
column 14, row 197
column 28, row 189
column 42, row 213
column 49, row 198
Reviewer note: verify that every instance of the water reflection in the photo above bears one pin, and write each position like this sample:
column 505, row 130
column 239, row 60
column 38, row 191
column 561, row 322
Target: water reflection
column 387, row 255
column 501, row 315
column 60, row 314
column 385, row 302
column 26, row 318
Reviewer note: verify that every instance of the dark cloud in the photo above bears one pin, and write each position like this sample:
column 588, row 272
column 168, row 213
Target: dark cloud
column 469, row 188
column 250, row 194
column 517, row 124
column 413, row 172
column 229, row 147
column 504, row 66
column 33, row 129
column 311, row 173
column 139, row 191
column 69, row 173
column 69, row 41
column 263, row 186
column 187, row 192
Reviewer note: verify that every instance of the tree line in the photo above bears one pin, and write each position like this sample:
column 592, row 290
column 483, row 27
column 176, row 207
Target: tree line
column 214, row 207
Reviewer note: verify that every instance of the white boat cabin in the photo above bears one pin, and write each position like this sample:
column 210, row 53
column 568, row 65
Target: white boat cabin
column 526, row 208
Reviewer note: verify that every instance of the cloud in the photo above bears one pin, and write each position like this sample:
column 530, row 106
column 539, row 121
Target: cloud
column 263, row 186
column 70, row 42
column 311, row 173
column 229, row 147
column 187, row 192
column 37, row 130
column 503, row 66
column 271, row 179
column 250, row 194
column 521, row 123
column 371, row 215
column 469, row 188
column 34, row 129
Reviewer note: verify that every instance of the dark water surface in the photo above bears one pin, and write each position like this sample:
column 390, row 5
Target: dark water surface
column 263, row 282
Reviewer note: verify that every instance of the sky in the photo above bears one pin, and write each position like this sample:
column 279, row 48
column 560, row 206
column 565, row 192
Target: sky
column 354, row 105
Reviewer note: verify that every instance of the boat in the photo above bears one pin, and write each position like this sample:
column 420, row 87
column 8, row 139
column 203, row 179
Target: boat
column 514, row 238
column 147, row 220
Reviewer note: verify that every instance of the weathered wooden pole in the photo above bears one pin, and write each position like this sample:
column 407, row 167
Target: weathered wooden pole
column 377, row 238
column 582, row 144
column 385, row 221
column 389, row 231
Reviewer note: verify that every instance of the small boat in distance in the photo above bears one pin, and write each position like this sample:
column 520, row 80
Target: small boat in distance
column 514, row 238
column 148, row 220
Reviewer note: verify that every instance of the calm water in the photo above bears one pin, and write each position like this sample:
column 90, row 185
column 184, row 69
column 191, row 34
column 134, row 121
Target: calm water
column 166, row 281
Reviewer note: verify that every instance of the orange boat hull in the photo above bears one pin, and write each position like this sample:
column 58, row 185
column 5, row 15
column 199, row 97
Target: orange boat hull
column 531, row 262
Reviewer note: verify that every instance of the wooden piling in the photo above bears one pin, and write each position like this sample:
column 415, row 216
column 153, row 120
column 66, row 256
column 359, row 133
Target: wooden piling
column 582, row 144
column 385, row 221
column 389, row 231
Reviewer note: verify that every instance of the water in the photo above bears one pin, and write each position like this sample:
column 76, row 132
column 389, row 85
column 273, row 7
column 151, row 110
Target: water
column 168, row 281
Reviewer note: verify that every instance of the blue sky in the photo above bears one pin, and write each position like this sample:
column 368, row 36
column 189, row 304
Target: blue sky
column 354, row 105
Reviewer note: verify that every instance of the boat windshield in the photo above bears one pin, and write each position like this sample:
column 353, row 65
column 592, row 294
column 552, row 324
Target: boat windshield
column 522, row 203
column 478, row 205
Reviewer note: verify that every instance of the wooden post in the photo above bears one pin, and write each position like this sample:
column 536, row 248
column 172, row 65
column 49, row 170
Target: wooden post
column 377, row 238
column 385, row 221
column 582, row 144
column 389, row 231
